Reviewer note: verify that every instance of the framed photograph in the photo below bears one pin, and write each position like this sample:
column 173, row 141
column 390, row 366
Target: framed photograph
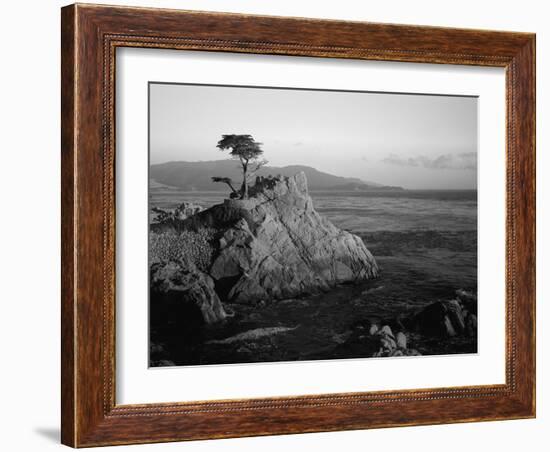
column 282, row 225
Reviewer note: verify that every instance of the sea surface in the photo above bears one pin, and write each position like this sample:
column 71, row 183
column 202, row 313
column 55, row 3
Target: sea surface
column 425, row 243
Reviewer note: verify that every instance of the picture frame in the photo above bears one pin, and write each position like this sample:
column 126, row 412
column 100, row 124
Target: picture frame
column 90, row 35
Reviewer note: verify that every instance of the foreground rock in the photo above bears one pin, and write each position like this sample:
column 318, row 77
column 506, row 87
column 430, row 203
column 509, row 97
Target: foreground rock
column 443, row 322
column 186, row 290
column 373, row 340
column 448, row 318
column 390, row 345
column 276, row 246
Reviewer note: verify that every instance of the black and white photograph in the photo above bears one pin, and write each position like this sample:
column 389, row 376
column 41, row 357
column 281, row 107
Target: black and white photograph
column 290, row 224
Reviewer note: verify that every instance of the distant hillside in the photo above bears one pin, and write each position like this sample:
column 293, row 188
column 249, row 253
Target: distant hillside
column 362, row 186
column 196, row 176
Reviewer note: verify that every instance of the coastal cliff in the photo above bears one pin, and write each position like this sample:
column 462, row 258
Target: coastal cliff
column 271, row 246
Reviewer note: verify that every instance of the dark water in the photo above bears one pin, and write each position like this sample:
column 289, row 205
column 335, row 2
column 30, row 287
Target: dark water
column 425, row 243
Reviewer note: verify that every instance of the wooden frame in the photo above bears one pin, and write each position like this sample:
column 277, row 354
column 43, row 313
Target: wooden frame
column 90, row 35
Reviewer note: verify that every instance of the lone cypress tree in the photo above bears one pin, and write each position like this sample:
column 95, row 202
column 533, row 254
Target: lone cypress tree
column 245, row 149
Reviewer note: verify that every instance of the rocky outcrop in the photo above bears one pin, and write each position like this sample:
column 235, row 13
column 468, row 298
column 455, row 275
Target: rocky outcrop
column 186, row 290
column 451, row 324
column 448, row 318
column 374, row 340
column 271, row 246
column 390, row 345
column 275, row 245
column 181, row 212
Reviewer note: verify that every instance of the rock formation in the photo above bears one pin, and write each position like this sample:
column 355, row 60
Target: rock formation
column 442, row 322
column 181, row 212
column 185, row 289
column 374, row 340
column 275, row 245
column 448, row 318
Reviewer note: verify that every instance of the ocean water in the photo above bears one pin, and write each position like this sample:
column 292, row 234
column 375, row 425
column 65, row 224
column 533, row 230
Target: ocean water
column 424, row 241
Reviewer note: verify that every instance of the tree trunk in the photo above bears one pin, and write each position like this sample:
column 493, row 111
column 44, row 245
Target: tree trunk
column 244, row 188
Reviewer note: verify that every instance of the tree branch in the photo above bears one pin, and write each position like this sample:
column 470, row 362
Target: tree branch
column 259, row 165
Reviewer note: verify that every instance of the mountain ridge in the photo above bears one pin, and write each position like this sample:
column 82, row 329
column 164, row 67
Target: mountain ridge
column 196, row 176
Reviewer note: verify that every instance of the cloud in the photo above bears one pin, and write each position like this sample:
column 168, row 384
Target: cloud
column 460, row 161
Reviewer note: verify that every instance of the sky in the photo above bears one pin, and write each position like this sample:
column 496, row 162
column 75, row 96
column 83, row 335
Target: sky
column 410, row 140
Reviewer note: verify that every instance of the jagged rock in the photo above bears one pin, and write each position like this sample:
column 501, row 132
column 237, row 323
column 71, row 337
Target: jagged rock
column 187, row 290
column 468, row 300
column 471, row 325
column 187, row 209
column 387, row 343
column 448, row 327
column 456, row 316
column 386, row 330
column 381, row 343
column 440, row 319
column 276, row 246
column 401, row 340
column 180, row 213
